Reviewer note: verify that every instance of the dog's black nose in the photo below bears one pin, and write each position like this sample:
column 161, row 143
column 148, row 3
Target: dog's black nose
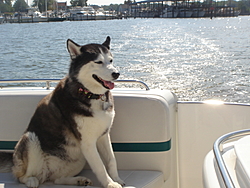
column 115, row 75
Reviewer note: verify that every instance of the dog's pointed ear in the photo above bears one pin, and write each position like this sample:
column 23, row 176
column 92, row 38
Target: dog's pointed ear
column 107, row 42
column 73, row 48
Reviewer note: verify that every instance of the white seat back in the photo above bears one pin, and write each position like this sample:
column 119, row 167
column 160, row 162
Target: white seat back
column 143, row 133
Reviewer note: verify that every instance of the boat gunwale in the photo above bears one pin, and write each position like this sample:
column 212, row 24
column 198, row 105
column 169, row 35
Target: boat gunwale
column 141, row 83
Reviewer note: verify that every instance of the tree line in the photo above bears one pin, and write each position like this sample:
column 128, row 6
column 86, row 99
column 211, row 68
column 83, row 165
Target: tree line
column 20, row 5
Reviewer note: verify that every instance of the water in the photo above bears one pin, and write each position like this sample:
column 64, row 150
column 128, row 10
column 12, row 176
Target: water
column 197, row 59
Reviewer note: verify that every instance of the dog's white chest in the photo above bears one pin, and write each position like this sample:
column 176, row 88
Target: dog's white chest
column 98, row 124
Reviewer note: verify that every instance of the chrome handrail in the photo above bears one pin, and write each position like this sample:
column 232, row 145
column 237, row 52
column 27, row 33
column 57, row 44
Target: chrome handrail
column 134, row 82
column 48, row 81
column 218, row 152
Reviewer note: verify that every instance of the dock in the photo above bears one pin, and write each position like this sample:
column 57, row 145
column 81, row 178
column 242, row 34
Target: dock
column 182, row 9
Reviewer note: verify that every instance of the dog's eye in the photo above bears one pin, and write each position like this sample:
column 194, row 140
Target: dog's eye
column 111, row 61
column 99, row 62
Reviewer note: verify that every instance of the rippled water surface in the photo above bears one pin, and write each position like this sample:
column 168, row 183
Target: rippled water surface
column 198, row 59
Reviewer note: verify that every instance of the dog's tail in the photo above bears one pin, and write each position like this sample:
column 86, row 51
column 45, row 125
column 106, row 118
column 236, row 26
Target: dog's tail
column 6, row 162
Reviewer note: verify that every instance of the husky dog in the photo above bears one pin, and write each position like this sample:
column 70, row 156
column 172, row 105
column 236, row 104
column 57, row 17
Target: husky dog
column 71, row 125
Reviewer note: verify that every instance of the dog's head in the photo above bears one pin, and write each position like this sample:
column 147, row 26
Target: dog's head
column 92, row 66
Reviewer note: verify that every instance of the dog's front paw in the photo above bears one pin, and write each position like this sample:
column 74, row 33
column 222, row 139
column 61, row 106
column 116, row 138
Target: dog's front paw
column 82, row 181
column 32, row 182
column 118, row 180
column 114, row 185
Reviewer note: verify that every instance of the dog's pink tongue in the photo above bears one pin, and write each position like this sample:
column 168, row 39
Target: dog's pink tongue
column 109, row 84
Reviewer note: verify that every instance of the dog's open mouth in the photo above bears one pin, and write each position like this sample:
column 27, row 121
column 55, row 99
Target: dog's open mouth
column 106, row 84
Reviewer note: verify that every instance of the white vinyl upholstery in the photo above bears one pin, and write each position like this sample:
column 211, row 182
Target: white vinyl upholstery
column 142, row 134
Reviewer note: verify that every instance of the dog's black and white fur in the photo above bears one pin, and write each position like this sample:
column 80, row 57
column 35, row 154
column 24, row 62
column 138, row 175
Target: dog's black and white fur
column 71, row 125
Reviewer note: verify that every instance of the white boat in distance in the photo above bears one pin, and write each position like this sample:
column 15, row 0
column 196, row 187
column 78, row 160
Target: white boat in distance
column 88, row 13
column 82, row 10
column 159, row 142
column 33, row 15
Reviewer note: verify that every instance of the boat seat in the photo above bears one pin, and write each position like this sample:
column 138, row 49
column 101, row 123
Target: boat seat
column 143, row 133
column 138, row 179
